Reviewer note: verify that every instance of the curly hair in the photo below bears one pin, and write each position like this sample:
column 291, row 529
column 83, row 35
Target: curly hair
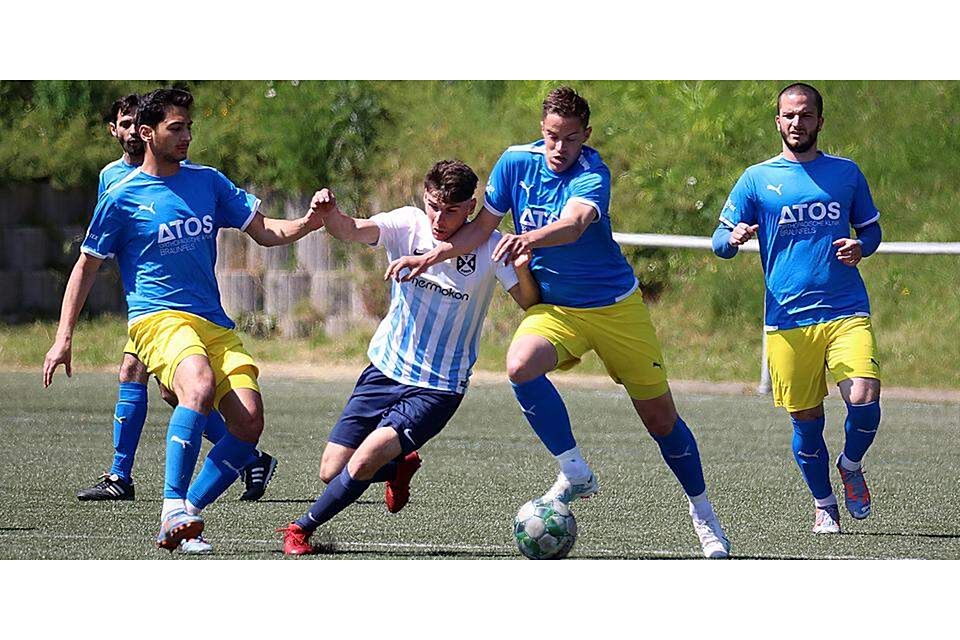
column 452, row 181
column 567, row 103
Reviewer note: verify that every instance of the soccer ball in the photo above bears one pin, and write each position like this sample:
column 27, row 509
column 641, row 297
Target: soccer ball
column 545, row 530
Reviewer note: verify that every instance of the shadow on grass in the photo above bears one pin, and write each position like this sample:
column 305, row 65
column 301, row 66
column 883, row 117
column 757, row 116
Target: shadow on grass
column 884, row 534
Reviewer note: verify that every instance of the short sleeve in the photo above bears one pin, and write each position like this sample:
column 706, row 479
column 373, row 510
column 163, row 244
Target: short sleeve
column 739, row 205
column 235, row 207
column 395, row 227
column 105, row 233
column 593, row 189
column 862, row 211
column 498, row 195
column 505, row 273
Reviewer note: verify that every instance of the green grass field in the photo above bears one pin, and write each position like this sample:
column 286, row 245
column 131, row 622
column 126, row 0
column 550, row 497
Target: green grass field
column 476, row 474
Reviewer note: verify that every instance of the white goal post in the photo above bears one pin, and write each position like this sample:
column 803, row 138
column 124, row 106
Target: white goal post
column 699, row 242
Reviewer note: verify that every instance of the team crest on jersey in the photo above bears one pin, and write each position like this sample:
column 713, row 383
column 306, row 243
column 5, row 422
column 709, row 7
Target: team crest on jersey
column 467, row 264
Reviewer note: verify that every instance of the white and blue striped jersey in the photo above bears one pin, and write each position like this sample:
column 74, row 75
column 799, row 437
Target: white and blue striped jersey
column 430, row 336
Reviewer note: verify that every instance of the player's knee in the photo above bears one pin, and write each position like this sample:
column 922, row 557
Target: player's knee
column 198, row 397
column 807, row 414
column 248, row 427
column 364, row 466
column 660, row 424
column 132, row 370
column 519, row 369
column 330, row 468
column 864, row 394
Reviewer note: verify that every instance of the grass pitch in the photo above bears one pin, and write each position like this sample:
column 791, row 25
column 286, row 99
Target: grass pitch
column 476, row 474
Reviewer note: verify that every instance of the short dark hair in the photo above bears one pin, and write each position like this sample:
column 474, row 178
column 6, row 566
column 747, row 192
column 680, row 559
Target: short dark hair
column 802, row 87
column 154, row 105
column 121, row 106
column 567, row 103
column 452, row 181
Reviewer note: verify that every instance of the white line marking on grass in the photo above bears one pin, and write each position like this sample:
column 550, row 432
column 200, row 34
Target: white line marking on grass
column 458, row 547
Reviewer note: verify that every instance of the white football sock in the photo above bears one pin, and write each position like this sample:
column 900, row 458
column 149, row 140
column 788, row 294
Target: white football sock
column 574, row 466
column 170, row 505
column 849, row 464
column 700, row 507
column 829, row 501
column 191, row 509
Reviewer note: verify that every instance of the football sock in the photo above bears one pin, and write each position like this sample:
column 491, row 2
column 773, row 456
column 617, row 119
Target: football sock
column 222, row 467
column 170, row 505
column 183, row 449
column 543, row 408
column 386, row 472
column 216, row 428
column 679, row 451
column 573, row 465
column 700, row 506
column 810, row 452
column 861, row 428
column 128, row 418
column 829, row 501
column 339, row 494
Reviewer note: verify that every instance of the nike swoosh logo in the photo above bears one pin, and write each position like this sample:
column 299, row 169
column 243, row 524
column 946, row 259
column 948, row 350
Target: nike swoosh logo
column 409, row 434
column 419, row 252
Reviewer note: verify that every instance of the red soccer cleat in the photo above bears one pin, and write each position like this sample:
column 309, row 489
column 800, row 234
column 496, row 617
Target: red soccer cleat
column 397, row 492
column 296, row 540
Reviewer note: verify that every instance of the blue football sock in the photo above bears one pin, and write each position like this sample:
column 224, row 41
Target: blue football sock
column 810, row 452
column 222, row 467
column 861, row 427
column 543, row 408
column 128, row 418
column 386, row 472
column 216, row 428
column 183, row 448
column 340, row 494
column 679, row 451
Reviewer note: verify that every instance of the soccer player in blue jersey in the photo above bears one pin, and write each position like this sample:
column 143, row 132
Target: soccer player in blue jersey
column 130, row 412
column 422, row 353
column 161, row 223
column 801, row 205
column 559, row 192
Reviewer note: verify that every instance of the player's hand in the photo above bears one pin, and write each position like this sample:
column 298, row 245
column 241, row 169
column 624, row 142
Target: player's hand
column 742, row 232
column 849, row 251
column 412, row 265
column 522, row 260
column 60, row 353
column 321, row 205
column 511, row 247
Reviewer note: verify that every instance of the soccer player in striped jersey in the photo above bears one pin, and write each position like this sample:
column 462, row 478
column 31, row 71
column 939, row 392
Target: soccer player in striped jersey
column 161, row 222
column 130, row 412
column 559, row 192
column 801, row 205
column 422, row 353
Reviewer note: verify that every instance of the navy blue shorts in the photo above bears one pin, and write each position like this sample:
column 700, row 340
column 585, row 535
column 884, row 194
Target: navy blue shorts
column 417, row 414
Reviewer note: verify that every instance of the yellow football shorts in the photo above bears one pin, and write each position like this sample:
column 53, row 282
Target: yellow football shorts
column 797, row 358
column 131, row 348
column 621, row 334
column 163, row 340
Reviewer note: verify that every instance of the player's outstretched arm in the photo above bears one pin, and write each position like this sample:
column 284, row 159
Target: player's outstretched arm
column 78, row 288
column 526, row 292
column 466, row 239
column 574, row 220
column 342, row 226
column 271, row 232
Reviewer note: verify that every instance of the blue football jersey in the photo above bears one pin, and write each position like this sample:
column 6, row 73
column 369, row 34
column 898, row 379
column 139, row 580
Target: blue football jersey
column 113, row 173
column 590, row 272
column 163, row 233
column 802, row 208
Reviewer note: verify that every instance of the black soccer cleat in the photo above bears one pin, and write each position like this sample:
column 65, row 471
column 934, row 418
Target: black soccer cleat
column 257, row 475
column 110, row 487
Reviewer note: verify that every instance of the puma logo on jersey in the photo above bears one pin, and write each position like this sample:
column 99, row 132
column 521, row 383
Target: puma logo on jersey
column 191, row 228
column 776, row 188
column 523, row 185
column 143, row 207
column 809, row 211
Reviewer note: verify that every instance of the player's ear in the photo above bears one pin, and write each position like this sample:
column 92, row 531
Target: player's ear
column 145, row 132
column 587, row 132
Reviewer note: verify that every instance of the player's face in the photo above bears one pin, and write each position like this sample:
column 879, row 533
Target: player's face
column 798, row 121
column 170, row 139
column 564, row 138
column 446, row 218
column 125, row 131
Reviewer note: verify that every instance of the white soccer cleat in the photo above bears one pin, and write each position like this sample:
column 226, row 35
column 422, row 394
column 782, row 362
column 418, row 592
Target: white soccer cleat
column 195, row 546
column 827, row 519
column 713, row 540
column 566, row 491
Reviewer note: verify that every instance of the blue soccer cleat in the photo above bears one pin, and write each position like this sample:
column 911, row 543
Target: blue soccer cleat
column 856, row 495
